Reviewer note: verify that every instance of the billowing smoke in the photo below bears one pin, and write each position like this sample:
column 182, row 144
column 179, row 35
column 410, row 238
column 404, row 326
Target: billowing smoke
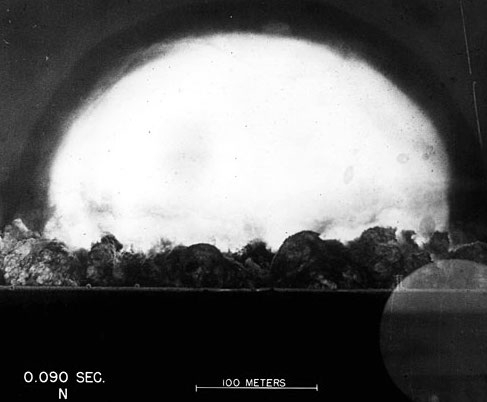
column 230, row 137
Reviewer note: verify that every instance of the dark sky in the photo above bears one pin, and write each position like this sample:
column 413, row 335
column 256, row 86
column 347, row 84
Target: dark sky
column 42, row 42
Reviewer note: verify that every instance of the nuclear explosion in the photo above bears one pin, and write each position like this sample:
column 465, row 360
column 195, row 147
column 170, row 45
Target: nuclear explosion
column 219, row 198
column 235, row 161
column 229, row 137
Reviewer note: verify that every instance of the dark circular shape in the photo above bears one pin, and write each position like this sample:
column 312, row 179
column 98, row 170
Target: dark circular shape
column 26, row 190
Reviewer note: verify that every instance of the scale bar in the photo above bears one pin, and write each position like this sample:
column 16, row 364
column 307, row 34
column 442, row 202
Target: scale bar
column 315, row 388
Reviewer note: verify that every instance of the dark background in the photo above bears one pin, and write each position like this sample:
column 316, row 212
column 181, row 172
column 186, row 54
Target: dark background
column 158, row 344
column 152, row 344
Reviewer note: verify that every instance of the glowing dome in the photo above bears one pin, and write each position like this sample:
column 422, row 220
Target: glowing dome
column 226, row 138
